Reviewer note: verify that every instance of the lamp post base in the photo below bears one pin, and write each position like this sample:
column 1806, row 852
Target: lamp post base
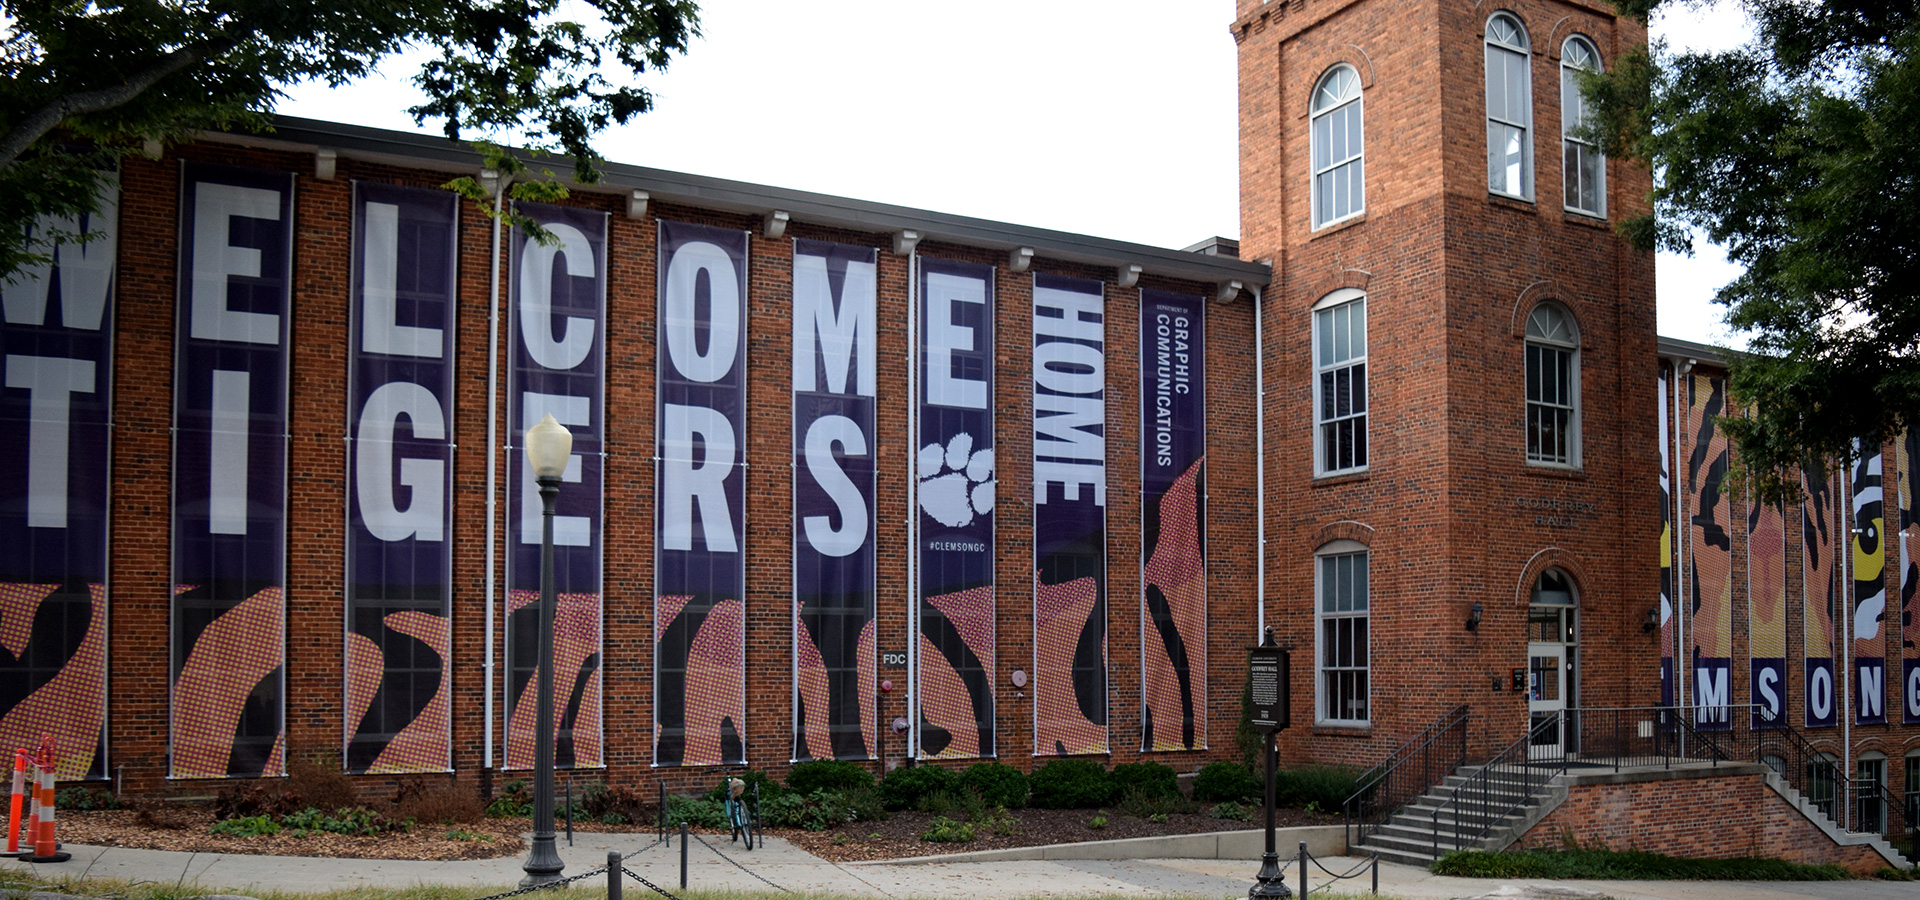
column 1271, row 882
column 543, row 865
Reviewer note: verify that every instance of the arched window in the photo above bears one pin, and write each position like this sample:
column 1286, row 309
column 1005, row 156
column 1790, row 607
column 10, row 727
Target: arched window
column 1553, row 386
column 1343, row 649
column 1585, row 169
column 1509, row 108
column 1339, row 164
column 1340, row 382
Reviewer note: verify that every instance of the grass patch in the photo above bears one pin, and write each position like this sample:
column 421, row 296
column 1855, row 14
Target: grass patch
column 1627, row 865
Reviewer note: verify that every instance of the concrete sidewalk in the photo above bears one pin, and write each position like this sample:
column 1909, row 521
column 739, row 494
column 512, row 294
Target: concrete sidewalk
column 780, row 863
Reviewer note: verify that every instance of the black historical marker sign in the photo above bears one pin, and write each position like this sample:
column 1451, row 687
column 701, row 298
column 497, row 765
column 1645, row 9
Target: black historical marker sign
column 1267, row 673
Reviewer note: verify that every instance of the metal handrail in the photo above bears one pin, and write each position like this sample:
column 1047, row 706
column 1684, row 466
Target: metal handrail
column 1367, row 810
column 1515, row 759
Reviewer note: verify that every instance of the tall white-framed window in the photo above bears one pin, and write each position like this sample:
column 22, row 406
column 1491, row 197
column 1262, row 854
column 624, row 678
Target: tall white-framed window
column 1584, row 168
column 1341, row 652
column 1340, row 382
column 1870, row 799
column 1339, row 144
column 1509, row 108
column 1553, row 386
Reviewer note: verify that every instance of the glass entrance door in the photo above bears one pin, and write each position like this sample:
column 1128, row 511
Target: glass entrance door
column 1546, row 699
column 1552, row 680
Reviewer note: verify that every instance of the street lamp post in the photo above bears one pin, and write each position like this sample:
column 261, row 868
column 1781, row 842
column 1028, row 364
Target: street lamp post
column 548, row 447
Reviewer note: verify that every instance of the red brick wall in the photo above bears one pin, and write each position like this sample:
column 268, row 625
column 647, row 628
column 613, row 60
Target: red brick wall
column 138, row 640
column 1450, row 273
column 1688, row 817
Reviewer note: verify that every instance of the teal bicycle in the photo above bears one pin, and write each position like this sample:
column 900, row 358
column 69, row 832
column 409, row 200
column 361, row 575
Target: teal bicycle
column 742, row 817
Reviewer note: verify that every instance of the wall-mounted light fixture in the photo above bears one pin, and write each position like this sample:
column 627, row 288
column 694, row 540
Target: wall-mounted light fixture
column 1653, row 619
column 1473, row 617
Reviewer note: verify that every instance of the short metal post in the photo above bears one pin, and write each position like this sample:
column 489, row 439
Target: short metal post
column 1376, row 877
column 613, row 875
column 1303, row 870
column 683, row 855
column 569, row 812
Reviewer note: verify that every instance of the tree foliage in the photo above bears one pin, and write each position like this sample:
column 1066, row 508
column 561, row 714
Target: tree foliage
column 83, row 83
column 1800, row 153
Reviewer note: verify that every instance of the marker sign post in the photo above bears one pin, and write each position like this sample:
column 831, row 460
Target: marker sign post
column 1270, row 688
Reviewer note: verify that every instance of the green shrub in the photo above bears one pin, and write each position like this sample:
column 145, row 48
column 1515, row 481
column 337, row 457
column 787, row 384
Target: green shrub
column 1230, row 811
column 822, row 810
column 903, row 787
column 1325, row 788
column 342, row 821
column 246, row 826
column 1071, row 784
column 1627, row 865
column 515, row 801
column 943, row 830
column 998, row 821
column 1097, row 822
column 697, row 812
column 769, row 788
column 783, row 810
column 1150, row 779
column 78, row 797
column 828, row 775
column 1225, row 781
column 998, row 784
column 1153, row 805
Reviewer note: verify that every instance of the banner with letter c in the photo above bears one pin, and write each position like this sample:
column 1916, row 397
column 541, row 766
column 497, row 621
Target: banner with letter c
column 1173, row 517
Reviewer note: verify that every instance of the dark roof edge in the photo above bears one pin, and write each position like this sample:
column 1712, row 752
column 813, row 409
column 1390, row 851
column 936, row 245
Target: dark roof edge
column 428, row 151
column 1675, row 348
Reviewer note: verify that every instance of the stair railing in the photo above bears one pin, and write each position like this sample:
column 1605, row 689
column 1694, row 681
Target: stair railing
column 1406, row 773
column 1508, row 781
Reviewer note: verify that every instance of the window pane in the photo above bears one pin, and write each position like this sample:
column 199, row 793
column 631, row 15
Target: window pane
column 1517, row 105
column 1533, row 373
column 1496, row 166
column 1360, row 387
column 1360, row 441
column 1359, row 327
column 1324, row 319
column 1496, row 76
column 1359, row 167
column 1342, row 321
column 1355, row 142
column 1337, row 136
column 1320, row 131
column 1326, row 583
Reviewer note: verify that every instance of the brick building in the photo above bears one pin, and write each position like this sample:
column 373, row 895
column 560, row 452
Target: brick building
column 869, row 482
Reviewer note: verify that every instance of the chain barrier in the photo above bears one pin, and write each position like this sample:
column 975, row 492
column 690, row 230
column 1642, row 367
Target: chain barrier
column 737, row 865
column 1371, row 862
column 646, row 884
column 550, row 885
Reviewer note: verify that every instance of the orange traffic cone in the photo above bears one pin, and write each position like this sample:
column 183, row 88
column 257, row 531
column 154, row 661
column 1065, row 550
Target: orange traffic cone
column 45, row 848
column 19, row 794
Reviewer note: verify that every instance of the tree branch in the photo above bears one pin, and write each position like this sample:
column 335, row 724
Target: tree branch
column 43, row 120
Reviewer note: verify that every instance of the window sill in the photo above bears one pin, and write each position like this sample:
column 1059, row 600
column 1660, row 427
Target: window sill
column 1344, row 729
column 1556, row 470
column 1359, row 218
column 1586, row 219
column 1509, row 201
column 1340, row 478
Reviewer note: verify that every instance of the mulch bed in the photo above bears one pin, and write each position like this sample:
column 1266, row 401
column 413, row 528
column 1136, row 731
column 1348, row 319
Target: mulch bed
column 188, row 829
column 899, row 835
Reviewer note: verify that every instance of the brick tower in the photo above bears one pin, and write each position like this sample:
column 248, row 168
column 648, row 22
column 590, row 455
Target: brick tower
column 1460, row 366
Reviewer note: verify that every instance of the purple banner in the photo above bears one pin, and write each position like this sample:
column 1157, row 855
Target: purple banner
column 399, row 675
column 700, row 677
column 835, row 380
column 1173, row 516
column 56, row 354
column 1069, row 517
column 954, row 483
column 1820, row 584
column 557, row 364
column 229, row 472
column 1668, row 629
column 1869, row 588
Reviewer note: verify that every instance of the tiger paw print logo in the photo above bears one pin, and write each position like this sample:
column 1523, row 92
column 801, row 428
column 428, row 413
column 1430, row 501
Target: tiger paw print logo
column 956, row 482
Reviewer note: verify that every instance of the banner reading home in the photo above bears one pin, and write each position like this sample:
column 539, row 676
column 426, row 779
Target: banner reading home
column 699, row 660
column 399, row 671
column 1173, row 445
column 835, row 382
column 229, row 472
column 56, row 355
column 1069, row 517
column 557, row 365
column 954, row 481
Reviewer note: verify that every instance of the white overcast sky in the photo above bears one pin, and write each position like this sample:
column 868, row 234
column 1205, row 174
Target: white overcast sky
column 1115, row 119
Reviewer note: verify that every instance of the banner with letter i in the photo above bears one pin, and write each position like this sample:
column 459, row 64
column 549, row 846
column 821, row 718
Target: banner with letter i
column 1069, row 517
column 1173, row 442
column 230, row 472
column 835, row 385
column 699, row 615
column 557, row 364
column 56, row 356
column 1710, row 539
column 1869, row 587
column 954, row 481
column 399, row 655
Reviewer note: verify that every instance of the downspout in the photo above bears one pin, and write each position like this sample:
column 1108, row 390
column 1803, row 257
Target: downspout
column 1844, row 708
column 913, row 511
column 1260, row 463
column 493, row 460
column 1683, row 659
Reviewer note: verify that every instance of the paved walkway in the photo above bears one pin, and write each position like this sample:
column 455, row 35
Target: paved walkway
column 787, row 866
